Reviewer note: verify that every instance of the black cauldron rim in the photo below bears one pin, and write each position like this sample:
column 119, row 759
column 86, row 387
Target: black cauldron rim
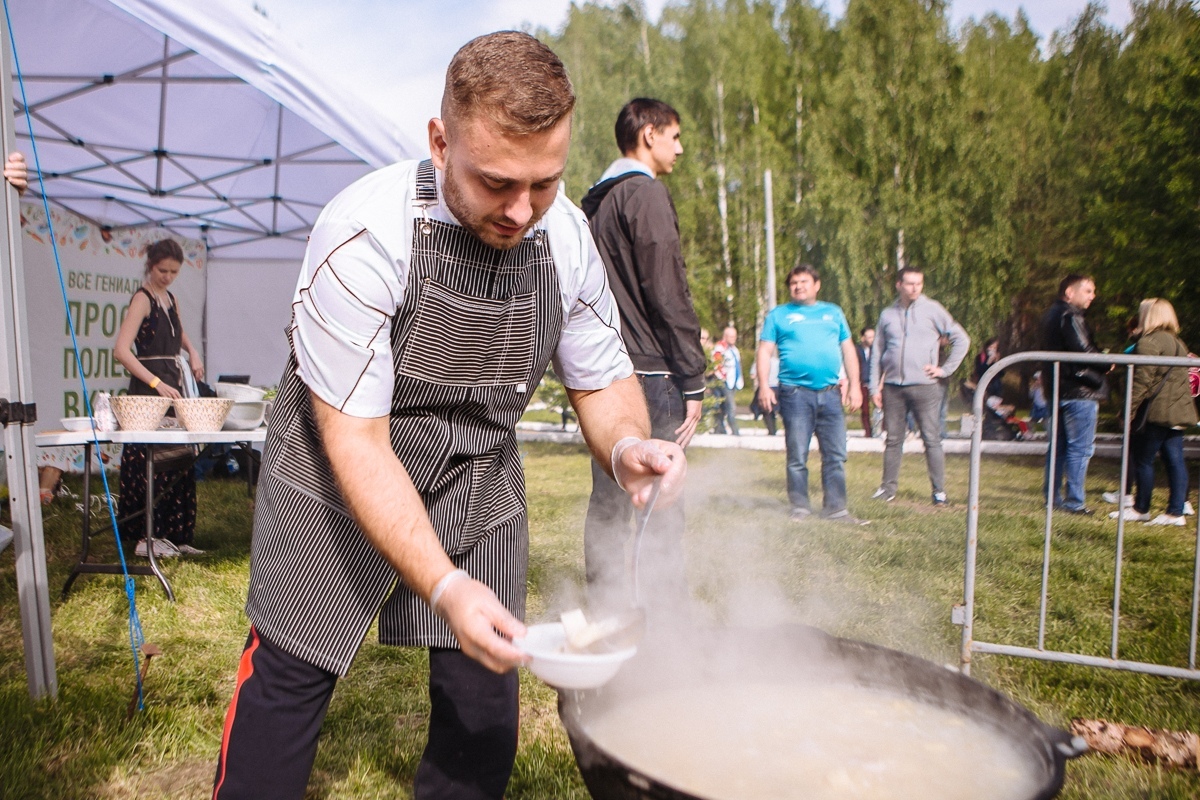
column 813, row 653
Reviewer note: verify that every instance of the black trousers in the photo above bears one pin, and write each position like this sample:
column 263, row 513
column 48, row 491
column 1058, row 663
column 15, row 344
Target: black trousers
column 279, row 703
column 607, row 528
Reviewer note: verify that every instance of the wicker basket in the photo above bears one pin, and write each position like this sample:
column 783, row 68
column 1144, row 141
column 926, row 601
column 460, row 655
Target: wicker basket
column 202, row 414
column 140, row 412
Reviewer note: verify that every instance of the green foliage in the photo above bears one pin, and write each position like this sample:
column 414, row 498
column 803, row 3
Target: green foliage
column 997, row 161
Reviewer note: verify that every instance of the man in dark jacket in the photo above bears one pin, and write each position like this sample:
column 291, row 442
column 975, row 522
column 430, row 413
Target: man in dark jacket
column 1081, row 388
column 637, row 232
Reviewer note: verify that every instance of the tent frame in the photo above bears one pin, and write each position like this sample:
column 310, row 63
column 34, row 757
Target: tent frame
column 286, row 220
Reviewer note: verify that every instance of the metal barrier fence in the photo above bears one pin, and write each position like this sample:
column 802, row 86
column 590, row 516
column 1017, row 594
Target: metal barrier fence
column 965, row 615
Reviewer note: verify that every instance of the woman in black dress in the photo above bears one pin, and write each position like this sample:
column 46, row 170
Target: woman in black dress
column 152, row 326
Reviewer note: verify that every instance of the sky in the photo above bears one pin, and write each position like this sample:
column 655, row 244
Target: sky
column 377, row 49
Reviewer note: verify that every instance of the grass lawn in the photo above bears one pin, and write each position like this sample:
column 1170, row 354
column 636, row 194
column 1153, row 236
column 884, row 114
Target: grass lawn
column 892, row 582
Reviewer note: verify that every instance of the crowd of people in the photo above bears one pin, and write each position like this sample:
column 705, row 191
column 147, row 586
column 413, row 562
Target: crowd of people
column 899, row 369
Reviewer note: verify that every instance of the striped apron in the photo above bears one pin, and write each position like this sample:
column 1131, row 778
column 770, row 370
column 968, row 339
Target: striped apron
column 470, row 341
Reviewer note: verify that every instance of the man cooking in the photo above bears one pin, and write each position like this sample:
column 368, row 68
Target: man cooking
column 432, row 297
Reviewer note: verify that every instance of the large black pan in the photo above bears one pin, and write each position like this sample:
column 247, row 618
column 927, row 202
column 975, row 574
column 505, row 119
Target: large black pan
column 790, row 653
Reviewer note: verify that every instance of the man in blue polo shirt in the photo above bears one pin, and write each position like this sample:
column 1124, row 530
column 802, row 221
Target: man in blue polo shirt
column 814, row 346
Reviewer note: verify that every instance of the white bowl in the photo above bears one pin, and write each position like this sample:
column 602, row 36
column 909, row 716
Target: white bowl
column 238, row 392
column 76, row 423
column 245, row 416
column 546, row 645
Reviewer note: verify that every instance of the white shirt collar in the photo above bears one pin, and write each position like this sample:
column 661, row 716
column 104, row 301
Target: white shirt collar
column 623, row 165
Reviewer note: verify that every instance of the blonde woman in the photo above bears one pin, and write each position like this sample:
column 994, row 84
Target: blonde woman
column 1171, row 411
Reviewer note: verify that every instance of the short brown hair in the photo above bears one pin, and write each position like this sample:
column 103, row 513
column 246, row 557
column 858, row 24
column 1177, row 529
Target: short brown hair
column 512, row 79
column 804, row 269
column 636, row 115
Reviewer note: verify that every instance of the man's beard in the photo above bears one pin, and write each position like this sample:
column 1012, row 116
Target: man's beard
column 479, row 226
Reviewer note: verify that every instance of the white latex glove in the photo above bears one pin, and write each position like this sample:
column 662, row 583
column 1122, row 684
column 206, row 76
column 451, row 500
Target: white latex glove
column 474, row 615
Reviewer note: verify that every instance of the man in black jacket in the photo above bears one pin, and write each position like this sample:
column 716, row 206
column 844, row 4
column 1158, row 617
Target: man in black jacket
column 1081, row 388
column 637, row 232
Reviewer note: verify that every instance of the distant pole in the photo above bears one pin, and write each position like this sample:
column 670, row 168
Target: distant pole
column 770, row 215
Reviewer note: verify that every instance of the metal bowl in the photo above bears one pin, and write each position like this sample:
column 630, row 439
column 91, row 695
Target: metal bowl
column 797, row 653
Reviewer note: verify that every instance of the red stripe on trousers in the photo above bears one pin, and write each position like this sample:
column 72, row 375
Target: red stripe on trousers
column 245, row 670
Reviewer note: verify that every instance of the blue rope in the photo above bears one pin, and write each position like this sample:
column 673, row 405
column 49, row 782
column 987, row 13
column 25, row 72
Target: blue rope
column 136, row 639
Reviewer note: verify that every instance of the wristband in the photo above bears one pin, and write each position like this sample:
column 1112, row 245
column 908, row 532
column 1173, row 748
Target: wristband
column 620, row 447
column 440, row 587
column 154, row 383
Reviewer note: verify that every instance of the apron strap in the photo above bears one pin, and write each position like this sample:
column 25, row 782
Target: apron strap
column 426, row 194
column 426, row 182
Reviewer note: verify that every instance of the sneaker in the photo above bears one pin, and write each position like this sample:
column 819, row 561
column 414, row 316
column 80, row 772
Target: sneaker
column 939, row 499
column 1168, row 519
column 799, row 514
column 1129, row 514
column 844, row 517
column 162, row 549
column 882, row 494
column 187, row 550
column 1113, row 497
column 1188, row 511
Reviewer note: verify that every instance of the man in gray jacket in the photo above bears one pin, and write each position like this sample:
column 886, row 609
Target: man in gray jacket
column 905, row 373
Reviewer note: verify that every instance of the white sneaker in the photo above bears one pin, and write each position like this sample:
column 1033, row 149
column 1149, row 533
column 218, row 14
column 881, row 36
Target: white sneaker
column 1112, row 497
column 162, row 549
column 1188, row 511
column 1167, row 519
column 1129, row 514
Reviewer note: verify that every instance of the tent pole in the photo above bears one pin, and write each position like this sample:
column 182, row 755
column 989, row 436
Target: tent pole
column 16, row 387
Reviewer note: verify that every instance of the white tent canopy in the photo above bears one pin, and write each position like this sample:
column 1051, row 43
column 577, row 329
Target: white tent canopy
column 200, row 119
column 196, row 117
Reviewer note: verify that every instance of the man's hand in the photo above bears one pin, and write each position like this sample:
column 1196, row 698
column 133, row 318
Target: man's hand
column 877, row 399
column 852, row 397
column 766, row 398
column 685, row 432
column 474, row 615
column 637, row 465
column 934, row 371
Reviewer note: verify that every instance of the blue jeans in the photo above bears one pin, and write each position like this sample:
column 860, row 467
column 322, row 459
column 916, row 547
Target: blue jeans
column 1074, row 447
column 1155, row 440
column 804, row 412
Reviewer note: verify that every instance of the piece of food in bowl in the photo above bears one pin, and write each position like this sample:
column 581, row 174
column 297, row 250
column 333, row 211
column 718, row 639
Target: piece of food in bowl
column 238, row 392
